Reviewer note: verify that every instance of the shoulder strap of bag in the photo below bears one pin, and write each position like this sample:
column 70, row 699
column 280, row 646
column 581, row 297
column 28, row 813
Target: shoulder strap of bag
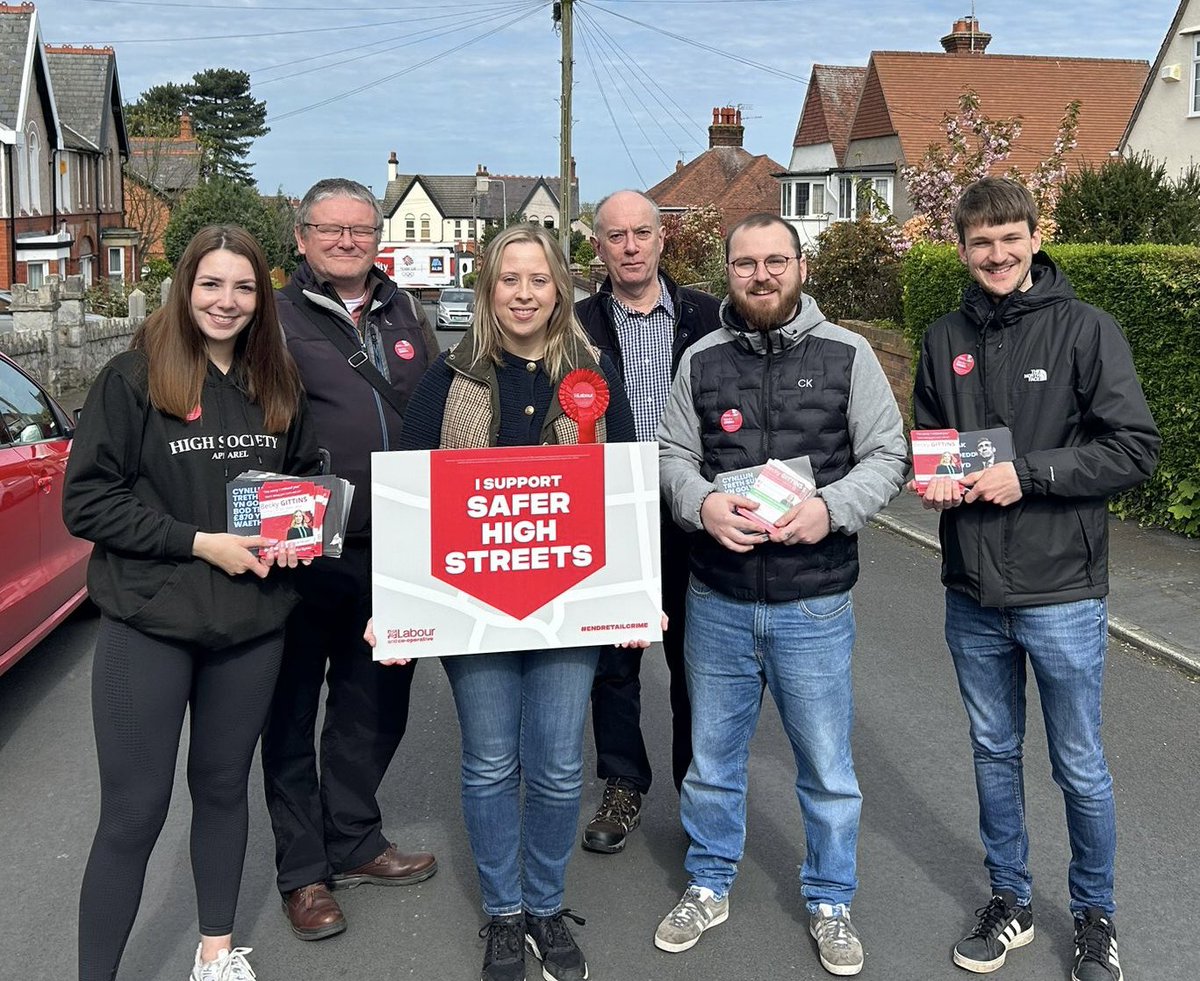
column 355, row 356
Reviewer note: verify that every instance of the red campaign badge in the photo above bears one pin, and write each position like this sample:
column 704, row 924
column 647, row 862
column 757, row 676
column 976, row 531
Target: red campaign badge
column 193, row 415
column 964, row 364
column 405, row 350
column 731, row 420
column 516, row 527
column 583, row 396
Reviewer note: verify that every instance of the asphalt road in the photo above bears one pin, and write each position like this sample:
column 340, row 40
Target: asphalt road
column 920, row 858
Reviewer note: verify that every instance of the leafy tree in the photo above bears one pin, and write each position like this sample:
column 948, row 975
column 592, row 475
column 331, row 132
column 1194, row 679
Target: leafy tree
column 855, row 272
column 283, row 219
column 583, row 253
column 223, row 201
column 157, row 111
column 228, row 119
column 1129, row 200
column 694, row 249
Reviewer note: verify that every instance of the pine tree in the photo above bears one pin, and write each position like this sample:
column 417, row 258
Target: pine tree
column 227, row 120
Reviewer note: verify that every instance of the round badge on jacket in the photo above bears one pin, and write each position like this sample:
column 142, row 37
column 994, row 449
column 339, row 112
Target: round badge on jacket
column 193, row 415
column 964, row 364
column 405, row 350
column 731, row 420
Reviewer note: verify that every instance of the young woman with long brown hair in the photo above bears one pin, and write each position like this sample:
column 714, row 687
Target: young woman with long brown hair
column 192, row 617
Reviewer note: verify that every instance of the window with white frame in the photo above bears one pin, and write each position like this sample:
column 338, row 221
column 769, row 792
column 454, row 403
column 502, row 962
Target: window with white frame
column 1194, row 107
column 458, row 230
column 785, row 199
column 36, row 273
column 116, row 264
column 861, row 197
column 810, row 199
column 424, row 228
column 410, row 228
column 87, row 269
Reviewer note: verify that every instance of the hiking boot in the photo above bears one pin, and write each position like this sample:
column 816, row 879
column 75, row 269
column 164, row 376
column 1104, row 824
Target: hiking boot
column 697, row 911
column 838, row 945
column 551, row 942
column 504, row 953
column 619, row 813
column 1095, row 947
column 1003, row 924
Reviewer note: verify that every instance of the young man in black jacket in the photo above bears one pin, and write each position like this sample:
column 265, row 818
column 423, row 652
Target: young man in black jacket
column 643, row 321
column 1025, row 552
column 327, row 824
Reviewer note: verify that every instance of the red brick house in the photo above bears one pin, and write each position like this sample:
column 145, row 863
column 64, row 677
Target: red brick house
column 726, row 175
column 62, row 146
column 860, row 126
column 161, row 170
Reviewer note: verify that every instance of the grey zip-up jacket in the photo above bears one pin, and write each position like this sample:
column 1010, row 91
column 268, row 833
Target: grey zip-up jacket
column 807, row 388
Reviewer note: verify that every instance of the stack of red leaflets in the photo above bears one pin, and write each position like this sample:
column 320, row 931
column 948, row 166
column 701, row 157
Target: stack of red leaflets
column 306, row 513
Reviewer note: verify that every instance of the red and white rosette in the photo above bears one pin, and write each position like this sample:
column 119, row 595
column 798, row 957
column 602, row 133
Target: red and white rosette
column 584, row 395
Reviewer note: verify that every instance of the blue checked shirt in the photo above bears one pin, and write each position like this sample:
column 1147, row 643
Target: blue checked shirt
column 645, row 340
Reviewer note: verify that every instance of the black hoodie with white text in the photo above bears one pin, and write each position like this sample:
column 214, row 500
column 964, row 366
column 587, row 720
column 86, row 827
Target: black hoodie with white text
column 141, row 484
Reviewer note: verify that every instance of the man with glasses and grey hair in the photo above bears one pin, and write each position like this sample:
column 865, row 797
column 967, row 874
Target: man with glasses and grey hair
column 361, row 345
column 770, row 607
column 643, row 321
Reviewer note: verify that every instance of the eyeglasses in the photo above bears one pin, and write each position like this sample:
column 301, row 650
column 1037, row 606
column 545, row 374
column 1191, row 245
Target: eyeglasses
column 774, row 264
column 360, row 233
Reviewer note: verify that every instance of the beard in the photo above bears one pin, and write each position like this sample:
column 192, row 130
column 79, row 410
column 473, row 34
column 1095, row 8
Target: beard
column 763, row 316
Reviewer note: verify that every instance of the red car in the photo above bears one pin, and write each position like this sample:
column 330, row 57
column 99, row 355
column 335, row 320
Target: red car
column 42, row 568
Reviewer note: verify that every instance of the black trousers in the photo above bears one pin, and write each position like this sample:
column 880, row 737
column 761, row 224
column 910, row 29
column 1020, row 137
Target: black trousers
column 324, row 812
column 617, row 689
column 141, row 688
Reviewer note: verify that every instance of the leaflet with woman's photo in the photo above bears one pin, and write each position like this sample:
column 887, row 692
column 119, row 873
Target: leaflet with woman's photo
column 308, row 512
column 935, row 453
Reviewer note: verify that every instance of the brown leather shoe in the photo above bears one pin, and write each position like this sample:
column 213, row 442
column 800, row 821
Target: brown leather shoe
column 392, row 868
column 313, row 912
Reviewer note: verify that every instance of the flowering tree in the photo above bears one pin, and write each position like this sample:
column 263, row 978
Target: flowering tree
column 694, row 248
column 975, row 146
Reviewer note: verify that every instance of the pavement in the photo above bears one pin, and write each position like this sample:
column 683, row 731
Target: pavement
column 1153, row 576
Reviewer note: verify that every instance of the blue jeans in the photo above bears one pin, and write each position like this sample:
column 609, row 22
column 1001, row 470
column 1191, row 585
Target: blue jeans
column 1065, row 644
column 522, row 715
column 801, row 652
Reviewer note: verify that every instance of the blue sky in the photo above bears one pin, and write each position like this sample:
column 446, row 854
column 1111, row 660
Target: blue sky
column 647, row 72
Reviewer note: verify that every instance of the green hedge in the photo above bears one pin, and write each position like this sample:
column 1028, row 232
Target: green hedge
column 1154, row 293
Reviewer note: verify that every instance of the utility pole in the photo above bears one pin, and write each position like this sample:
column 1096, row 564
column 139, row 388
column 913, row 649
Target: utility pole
column 563, row 14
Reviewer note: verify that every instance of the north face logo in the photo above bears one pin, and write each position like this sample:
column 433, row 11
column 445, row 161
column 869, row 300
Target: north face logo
column 1035, row 375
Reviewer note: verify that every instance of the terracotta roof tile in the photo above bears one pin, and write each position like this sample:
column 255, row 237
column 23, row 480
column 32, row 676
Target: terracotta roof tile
column 833, row 93
column 736, row 181
column 907, row 92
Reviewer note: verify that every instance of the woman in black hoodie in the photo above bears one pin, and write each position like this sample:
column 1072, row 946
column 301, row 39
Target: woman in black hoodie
column 192, row 616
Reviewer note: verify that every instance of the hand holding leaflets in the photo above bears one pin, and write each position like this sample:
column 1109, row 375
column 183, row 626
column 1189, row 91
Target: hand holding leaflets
column 305, row 516
column 951, row 468
column 769, row 500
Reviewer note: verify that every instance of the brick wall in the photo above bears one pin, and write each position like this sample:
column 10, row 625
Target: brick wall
column 896, row 356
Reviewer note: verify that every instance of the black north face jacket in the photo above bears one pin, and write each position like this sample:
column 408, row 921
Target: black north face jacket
column 1058, row 373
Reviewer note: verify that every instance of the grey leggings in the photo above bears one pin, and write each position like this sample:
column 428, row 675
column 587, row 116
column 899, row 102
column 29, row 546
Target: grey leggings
column 141, row 686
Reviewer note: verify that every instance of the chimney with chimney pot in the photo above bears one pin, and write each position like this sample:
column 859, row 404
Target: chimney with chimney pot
column 185, row 127
column 393, row 166
column 966, row 38
column 726, row 128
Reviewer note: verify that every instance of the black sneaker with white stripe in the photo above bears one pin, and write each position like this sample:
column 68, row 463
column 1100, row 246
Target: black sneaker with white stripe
column 1003, row 924
column 1095, row 948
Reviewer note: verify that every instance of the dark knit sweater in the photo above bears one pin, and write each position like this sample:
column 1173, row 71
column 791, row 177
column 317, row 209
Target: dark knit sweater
column 518, row 388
